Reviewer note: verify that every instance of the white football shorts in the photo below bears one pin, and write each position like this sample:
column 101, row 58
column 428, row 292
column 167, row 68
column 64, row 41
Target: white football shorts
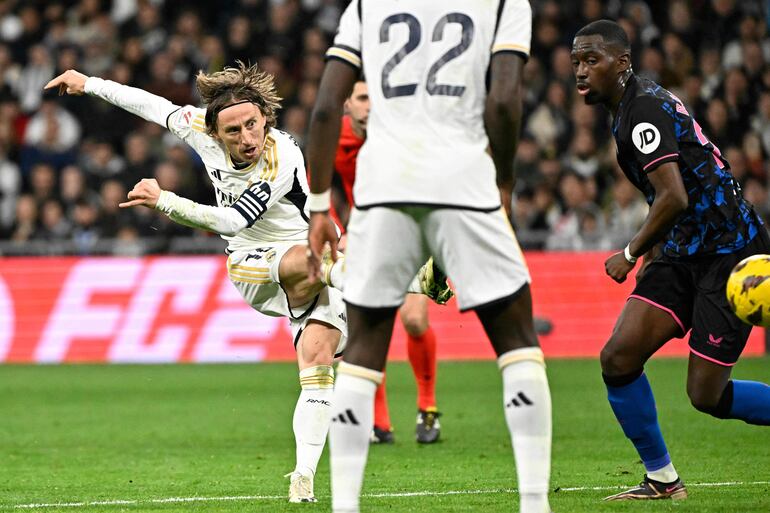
column 387, row 246
column 254, row 273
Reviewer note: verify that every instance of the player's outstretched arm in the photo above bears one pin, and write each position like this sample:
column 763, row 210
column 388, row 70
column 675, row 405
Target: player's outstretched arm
column 336, row 84
column 502, row 118
column 226, row 221
column 134, row 100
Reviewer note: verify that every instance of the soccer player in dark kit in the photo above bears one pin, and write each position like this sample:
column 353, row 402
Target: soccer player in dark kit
column 699, row 226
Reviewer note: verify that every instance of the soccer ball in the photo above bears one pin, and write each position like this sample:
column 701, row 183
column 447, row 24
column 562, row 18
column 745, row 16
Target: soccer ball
column 748, row 290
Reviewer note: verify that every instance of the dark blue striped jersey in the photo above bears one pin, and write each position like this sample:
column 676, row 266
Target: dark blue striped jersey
column 651, row 127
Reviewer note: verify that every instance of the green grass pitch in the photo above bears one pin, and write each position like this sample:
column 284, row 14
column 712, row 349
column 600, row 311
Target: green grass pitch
column 78, row 435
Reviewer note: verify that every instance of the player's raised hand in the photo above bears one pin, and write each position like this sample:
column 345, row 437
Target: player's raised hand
column 145, row 193
column 617, row 267
column 70, row 82
column 321, row 231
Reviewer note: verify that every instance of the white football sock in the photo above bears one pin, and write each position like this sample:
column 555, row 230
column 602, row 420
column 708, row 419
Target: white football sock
column 666, row 474
column 527, row 406
column 352, row 422
column 312, row 416
column 333, row 273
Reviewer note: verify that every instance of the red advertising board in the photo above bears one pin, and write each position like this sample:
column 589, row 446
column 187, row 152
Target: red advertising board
column 184, row 309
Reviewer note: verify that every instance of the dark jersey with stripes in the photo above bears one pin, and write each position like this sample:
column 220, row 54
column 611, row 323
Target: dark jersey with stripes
column 651, row 127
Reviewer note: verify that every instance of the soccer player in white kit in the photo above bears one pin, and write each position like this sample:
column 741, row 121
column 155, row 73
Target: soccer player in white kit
column 430, row 177
column 260, row 181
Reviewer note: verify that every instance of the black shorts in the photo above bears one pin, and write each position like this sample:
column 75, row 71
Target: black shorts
column 693, row 292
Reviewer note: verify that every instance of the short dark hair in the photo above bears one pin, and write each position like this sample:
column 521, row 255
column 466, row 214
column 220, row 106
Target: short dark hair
column 610, row 31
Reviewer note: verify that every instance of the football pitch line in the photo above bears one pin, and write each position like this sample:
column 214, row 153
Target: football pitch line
column 424, row 493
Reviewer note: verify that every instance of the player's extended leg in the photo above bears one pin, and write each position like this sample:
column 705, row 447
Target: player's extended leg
column 292, row 273
column 526, row 397
column 717, row 339
column 711, row 391
column 312, row 415
column 421, row 348
column 640, row 330
column 369, row 332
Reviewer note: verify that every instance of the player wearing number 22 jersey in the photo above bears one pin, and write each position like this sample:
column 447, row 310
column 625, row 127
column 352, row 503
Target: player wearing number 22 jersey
column 437, row 159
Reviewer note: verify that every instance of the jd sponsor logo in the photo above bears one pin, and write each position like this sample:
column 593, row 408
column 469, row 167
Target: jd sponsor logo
column 646, row 137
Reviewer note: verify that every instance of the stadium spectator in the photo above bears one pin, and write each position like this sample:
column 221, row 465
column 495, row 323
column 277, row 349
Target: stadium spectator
column 9, row 72
column 681, row 23
column 42, row 182
column 163, row 81
column 626, row 212
column 147, row 26
column 38, row 70
column 718, row 125
column 549, row 124
column 100, row 162
column 10, row 186
column 527, row 154
column 74, row 189
column 573, row 193
column 241, row 43
column 755, row 156
column 715, row 53
column 52, row 136
column 711, row 71
column 111, row 217
column 25, row 225
column 139, row 159
column 53, row 225
column 760, row 121
column 592, row 234
column 85, row 232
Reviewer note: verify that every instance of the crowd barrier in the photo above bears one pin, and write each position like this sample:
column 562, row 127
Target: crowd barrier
column 184, row 309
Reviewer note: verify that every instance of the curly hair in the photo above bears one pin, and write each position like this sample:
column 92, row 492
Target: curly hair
column 233, row 84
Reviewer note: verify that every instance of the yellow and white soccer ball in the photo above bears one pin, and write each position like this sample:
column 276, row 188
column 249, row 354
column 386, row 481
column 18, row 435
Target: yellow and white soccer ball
column 748, row 290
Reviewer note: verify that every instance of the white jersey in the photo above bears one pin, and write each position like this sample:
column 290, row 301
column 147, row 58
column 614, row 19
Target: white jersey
column 270, row 194
column 426, row 65
column 275, row 186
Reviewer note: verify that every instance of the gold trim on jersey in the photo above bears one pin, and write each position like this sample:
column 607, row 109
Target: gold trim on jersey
column 510, row 46
column 248, row 274
column 249, row 269
column 199, row 123
column 345, row 55
column 270, row 152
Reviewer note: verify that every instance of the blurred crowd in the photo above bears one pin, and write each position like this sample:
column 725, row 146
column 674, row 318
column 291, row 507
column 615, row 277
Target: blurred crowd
column 66, row 162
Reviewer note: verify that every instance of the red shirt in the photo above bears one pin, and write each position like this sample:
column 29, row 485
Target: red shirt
column 345, row 159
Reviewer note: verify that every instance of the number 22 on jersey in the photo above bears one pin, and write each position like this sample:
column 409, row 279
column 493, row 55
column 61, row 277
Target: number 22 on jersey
column 415, row 35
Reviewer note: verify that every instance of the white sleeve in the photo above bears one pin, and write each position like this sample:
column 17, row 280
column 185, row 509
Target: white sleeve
column 136, row 101
column 514, row 28
column 222, row 220
column 185, row 121
column 347, row 42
